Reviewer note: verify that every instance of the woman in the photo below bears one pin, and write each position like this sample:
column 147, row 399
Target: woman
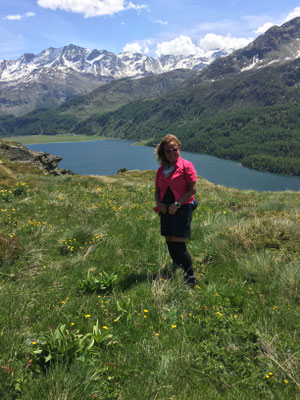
column 175, row 185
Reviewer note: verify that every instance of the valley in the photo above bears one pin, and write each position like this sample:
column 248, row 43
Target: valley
column 243, row 106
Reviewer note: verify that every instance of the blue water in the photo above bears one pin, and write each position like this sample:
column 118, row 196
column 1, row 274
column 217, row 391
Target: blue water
column 106, row 157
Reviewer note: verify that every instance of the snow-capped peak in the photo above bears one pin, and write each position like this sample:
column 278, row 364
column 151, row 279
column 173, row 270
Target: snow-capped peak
column 97, row 62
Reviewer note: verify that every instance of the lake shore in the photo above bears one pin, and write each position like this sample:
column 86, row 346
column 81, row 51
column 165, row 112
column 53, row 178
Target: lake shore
column 39, row 139
column 209, row 165
column 106, row 157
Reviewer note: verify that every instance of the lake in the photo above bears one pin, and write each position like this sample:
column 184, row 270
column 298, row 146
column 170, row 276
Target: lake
column 106, row 157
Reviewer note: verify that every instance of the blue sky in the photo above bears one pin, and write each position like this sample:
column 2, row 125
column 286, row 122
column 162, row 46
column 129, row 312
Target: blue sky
column 153, row 27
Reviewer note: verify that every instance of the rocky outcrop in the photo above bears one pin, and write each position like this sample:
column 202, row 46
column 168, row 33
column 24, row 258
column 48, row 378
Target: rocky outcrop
column 17, row 153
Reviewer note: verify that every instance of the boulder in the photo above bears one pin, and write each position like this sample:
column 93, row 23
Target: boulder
column 17, row 153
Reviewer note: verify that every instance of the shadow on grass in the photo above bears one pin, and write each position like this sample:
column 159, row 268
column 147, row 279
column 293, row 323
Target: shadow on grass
column 136, row 278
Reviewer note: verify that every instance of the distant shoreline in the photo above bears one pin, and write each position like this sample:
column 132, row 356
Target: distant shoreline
column 39, row 139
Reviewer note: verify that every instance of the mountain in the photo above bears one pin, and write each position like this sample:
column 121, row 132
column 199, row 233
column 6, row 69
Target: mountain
column 272, row 80
column 57, row 75
column 278, row 45
column 243, row 107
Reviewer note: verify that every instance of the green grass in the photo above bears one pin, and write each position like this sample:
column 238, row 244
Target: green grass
column 37, row 139
column 91, row 309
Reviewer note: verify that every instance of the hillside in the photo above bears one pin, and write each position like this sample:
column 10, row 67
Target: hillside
column 90, row 306
column 123, row 91
column 266, row 87
column 51, row 121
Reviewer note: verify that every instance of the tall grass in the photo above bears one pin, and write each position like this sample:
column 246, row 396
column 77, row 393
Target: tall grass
column 90, row 307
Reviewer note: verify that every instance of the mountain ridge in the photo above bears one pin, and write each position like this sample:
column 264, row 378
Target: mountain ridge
column 277, row 44
column 56, row 75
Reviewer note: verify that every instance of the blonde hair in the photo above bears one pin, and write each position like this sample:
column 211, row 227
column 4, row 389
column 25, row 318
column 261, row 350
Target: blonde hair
column 160, row 148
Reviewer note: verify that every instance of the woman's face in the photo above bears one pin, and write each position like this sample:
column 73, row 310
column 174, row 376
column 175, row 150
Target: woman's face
column 171, row 152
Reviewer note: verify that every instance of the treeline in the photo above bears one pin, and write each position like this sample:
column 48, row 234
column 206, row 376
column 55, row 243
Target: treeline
column 279, row 165
column 262, row 138
column 38, row 122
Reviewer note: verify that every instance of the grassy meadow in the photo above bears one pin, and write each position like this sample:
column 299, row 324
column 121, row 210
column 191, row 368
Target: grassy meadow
column 90, row 307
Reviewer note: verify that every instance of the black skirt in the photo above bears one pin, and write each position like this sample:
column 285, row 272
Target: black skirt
column 179, row 224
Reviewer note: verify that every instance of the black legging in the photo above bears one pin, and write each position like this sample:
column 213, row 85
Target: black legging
column 181, row 256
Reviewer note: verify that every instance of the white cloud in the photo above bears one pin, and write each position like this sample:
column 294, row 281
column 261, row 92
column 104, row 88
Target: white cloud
column 138, row 47
column 134, row 6
column 18, row 17
column 264, row 27
column 212, row 41
column 295, row 13
column 133, row 48
column 159, row 21
column 91, row 8
column 30, row 14
column 13, row 17
column 182, row 45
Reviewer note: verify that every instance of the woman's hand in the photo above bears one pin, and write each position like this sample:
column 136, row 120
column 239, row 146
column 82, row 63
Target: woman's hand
column 162, row 208
column 172, row 209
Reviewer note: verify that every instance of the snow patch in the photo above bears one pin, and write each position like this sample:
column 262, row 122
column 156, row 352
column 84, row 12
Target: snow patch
column 255, row 62
column 104, row 63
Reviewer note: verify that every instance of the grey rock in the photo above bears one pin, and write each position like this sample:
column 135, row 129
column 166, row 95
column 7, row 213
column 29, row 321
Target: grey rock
column 17, row 153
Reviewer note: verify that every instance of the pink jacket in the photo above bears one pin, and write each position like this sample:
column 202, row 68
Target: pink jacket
column 184, row 172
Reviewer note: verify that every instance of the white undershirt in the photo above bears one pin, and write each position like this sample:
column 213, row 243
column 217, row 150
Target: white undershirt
column 168, row 170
